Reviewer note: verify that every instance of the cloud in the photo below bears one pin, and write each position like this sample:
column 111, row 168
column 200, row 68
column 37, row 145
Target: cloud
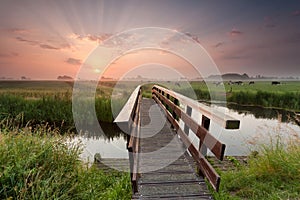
column 46, row 46
column 219, row 44
column 19, row 31
column 73, row 61
column 90, row 37
column 43, row 45
column 296, row 13
column 31, row 42
column 194, row 37
column 235, row 32
column 8, row 55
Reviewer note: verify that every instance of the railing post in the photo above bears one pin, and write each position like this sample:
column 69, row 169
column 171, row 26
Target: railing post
column 189, row 113
column 205, row 124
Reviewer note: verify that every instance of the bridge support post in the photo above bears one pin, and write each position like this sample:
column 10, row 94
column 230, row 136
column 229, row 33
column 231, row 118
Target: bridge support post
column 189, row 113
column 205, row 124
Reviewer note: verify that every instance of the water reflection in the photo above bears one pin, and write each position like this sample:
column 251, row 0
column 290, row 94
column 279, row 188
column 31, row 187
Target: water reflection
column 110, row 144
column 258, row 126
column 264, row 113
column 110, row 132
column 256, row 129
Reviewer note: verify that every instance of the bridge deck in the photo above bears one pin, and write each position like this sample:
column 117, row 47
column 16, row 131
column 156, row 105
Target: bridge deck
column 166, row 169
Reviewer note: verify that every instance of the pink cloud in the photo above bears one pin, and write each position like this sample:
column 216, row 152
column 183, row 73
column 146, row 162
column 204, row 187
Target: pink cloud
column 73, row 61
column 235, row 32
column 194, row 37
column 43, row 45
column 94, row 38
column 19, row 31
column 219, row 44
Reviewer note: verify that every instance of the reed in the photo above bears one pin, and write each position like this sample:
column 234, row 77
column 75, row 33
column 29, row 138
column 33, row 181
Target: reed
column 40, row 164
column 271, row 174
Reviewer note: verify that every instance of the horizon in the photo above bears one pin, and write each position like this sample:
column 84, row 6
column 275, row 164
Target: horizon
column 66, row 78
column 43, row 40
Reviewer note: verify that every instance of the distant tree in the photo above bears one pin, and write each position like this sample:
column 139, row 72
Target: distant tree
column 64, row 77
column 24, row 78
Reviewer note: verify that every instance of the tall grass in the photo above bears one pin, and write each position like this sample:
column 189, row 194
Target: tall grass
column 261, row 93
column 288, row 100
column 41, row 165
column 54, row 111
column 273, row 174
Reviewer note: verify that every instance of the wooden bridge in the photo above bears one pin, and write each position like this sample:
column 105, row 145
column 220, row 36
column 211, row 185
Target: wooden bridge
column 164, row 163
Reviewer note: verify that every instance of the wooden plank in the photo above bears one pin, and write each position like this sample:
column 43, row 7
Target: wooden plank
column 209, row 140
column 175, row 180
column 207, row 170
column 222, row 119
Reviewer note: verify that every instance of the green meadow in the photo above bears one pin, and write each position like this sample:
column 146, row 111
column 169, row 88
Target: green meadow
column 51, row 101
column 261, row 93
column 41, row 102
column 36, row 163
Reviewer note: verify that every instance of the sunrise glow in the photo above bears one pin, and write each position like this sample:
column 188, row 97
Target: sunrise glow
column 42, row 40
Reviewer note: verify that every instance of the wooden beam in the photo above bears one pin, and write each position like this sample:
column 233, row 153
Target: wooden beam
column 207, row 138
column 222, row 119
column 126, row 113
column 206, row 169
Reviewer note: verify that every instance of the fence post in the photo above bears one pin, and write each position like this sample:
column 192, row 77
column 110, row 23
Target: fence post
column 205, row 124
column 189, row 113
column 176, row 102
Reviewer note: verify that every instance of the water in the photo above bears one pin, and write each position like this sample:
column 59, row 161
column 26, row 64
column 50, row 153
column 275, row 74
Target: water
column 112, row 144
column 257, row 126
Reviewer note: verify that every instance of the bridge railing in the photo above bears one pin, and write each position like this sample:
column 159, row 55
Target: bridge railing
column 170, row 102
column 129, row 120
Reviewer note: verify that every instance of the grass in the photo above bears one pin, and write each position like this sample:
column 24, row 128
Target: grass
column 40, row 164
column 51, row 102
column 272, row 174
column 262, row 93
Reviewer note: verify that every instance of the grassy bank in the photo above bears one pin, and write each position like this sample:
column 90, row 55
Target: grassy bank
column 55, row 111
column 50, row 102
column 262, row 93
column 272, row 174
column 287, row 100
column 40, row 165
column 42, row 101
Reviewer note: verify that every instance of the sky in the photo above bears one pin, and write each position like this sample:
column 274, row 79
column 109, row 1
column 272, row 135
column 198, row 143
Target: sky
column 48, row 38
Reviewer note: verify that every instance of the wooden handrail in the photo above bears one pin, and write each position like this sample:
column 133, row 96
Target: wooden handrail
column 170, row 101
column 129, row 118
column 124, row 116
column 209, row 140
column 222, row 119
